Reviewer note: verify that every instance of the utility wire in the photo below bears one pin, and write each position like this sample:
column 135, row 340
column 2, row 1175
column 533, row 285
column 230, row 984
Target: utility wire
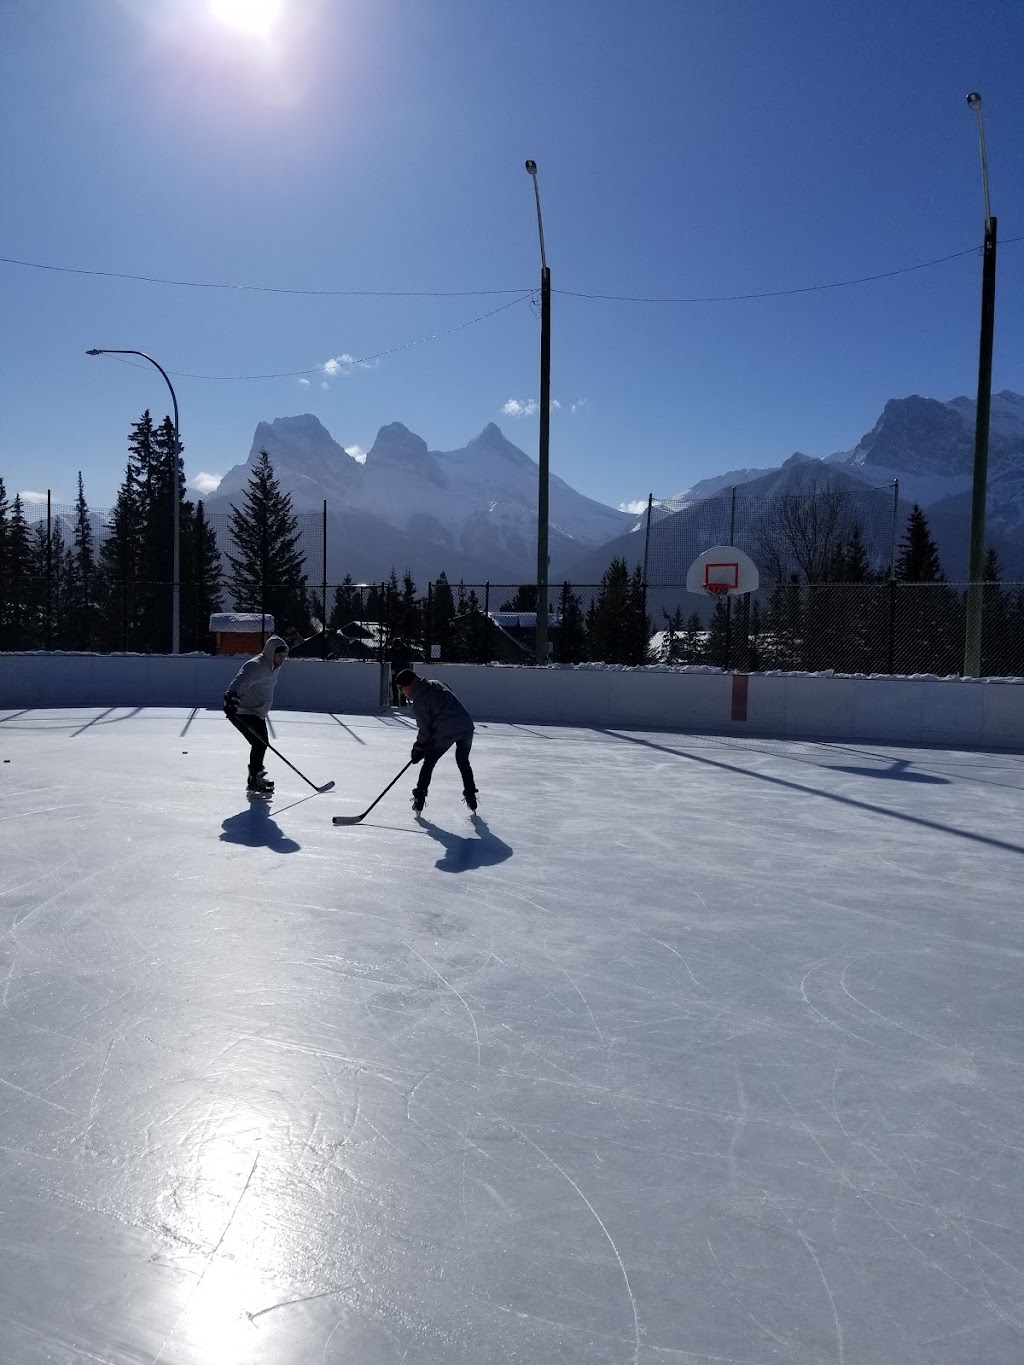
column 470, row 293
column 355, row 360
column 781, row 293
column 263, row 288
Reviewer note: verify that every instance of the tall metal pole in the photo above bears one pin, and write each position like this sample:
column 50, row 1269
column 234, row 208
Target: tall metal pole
column 175, row 498
column 976, row 566
column 545, row 429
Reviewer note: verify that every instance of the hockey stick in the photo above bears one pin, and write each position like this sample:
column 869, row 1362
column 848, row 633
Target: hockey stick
column 255, row 739
column 355, row 819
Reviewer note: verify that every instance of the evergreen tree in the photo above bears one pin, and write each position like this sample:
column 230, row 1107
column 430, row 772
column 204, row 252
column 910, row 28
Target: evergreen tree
column 267, row 566
column 612, row 625
column 442, row 614
column 1002, row 636
column 20, row 613
column 918, row 560
column 83, row 577
column 525, row 599
column 6, row 583
column 117, row 571
column 572, row 640
column 201, row 578
column 348, row 604
column 929, row 630
column 470, row 630
column 639, row 619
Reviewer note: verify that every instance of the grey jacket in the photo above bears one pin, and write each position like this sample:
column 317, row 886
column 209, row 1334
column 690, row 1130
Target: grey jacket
column 255, row 681
column 440, row 716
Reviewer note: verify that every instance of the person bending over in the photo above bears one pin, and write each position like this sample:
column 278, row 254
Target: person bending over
column 247, row 704
column 441, row 721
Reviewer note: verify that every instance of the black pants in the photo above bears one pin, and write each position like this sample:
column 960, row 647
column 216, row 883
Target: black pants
column 436, row 751
column 254, row 728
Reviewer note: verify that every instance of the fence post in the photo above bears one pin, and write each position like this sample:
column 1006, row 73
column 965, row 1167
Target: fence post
column 323, row 624
column 891, row 665
column 49, row 572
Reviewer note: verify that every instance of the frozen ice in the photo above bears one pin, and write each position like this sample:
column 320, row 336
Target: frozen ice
column 687, row 1051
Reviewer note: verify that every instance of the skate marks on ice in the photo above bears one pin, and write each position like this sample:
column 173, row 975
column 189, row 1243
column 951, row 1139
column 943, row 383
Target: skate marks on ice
column 255, row 828
column 464, row 854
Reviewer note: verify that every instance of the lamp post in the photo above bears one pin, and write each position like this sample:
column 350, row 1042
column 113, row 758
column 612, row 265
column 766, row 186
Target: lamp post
column 545, row 428
column 976, row 567
column 176, row 519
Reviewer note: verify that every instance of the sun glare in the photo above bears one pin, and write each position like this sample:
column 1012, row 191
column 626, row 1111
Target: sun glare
column 255, row 17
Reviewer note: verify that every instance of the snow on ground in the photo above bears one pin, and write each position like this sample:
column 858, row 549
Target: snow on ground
column 689, row 1050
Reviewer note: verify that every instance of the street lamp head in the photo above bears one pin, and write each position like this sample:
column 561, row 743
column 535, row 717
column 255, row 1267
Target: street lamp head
column 94, row 351
column 531, row 167
column 974, row 100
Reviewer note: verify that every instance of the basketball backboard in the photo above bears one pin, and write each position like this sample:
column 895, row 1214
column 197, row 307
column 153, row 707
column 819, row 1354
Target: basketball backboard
column 723, row 569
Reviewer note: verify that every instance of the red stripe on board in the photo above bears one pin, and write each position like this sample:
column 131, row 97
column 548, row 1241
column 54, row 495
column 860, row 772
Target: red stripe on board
column 739, row 696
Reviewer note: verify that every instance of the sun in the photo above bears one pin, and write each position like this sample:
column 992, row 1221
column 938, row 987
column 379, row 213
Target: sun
column 255, row 17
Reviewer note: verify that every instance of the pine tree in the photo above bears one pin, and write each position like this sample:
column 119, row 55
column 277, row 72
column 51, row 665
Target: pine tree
column 267, row 569
column 347, row 604
column 117, row 571
column 6, row 583
column 929, row 629
column 23, row 589
column 442, row 614
column 572, row 638
column 83, row 577
column 918, row 560
column 612, row 627
column 201, row 578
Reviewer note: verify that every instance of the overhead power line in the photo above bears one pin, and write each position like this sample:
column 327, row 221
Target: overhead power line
column 352, row 361
column 261, row 288
column 780, row 293
column 471, row 293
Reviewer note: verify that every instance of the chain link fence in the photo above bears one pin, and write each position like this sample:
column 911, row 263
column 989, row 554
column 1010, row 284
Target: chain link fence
column 884, row 625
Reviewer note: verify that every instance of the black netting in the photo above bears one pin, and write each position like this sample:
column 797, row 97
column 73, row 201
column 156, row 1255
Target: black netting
column 806, row 615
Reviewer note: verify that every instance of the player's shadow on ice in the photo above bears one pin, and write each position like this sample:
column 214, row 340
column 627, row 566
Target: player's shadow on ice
column 254, row 828
column 462, row 855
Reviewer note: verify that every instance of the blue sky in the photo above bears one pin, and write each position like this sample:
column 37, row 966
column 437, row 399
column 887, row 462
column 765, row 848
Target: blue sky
column 685, row 149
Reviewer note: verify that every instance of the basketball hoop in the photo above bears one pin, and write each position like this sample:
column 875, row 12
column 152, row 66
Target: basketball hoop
column 716, row 589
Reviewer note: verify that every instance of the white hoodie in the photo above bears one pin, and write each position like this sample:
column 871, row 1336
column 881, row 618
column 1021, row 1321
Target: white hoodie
column 255, row 681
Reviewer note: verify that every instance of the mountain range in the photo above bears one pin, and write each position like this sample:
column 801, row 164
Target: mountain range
column 472, row 511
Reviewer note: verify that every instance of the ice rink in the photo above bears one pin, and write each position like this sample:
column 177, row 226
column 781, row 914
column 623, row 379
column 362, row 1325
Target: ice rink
column 687, row 1051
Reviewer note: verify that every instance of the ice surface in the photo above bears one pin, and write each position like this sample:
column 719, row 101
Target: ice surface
column 690, row 1050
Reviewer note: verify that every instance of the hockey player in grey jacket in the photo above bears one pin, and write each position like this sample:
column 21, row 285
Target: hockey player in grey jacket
column 441, row 721
column 247, row 704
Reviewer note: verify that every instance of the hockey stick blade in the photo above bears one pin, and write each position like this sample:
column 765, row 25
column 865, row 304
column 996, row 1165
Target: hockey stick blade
column 326, row 787
column 355, row 819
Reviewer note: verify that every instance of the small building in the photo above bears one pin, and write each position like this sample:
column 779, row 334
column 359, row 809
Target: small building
column 240, row 632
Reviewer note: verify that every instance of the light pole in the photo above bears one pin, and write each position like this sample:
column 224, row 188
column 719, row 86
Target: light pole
column 175, row 499
column 976, row 566
column 545, row 429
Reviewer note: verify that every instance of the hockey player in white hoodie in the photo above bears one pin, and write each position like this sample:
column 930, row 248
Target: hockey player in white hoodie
column 247, row 704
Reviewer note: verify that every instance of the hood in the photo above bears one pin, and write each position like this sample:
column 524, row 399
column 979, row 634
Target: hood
column 274, row 643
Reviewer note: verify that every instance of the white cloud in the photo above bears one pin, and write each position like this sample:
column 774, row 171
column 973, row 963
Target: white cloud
column 304, row 383
column 357, row 452
column 639, row 506
column 27, row 495
column 575, row 407
column 345, row 364
column 520, row 407
column 527, row 407
column 205, row 483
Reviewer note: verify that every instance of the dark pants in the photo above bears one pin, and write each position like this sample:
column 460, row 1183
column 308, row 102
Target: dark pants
column 436, row 751
column 254, row 728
